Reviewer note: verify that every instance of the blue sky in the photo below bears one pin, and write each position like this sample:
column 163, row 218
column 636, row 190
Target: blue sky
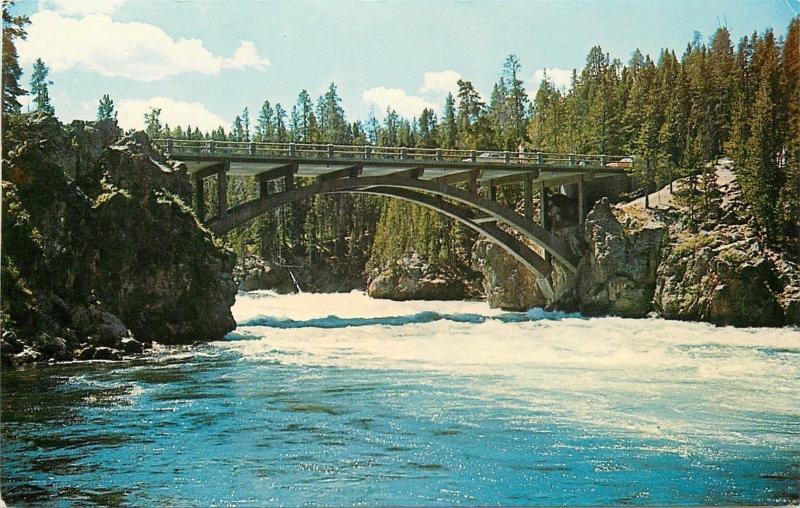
column 203, row 61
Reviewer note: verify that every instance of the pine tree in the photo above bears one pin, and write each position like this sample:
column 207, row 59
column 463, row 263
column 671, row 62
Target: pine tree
column 516, row 100
column 245, row 125
column 237, row 129
column 152, row 122
column 448, row 129
column 39, row 88
column 265, row 127
column 281, row 132
column 105, row 110
column 13, row 29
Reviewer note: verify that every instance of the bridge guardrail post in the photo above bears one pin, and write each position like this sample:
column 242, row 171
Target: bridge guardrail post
column 252, row 148
column 540, row 158
column 602, row 160
column 571, row 159
column 473, row 156
column 367, row 152
column 169, row 146
column 438, row 154
column 403, row 152
column 330, row 151
column 211, row 147
column 292, row 150
column 506, row 156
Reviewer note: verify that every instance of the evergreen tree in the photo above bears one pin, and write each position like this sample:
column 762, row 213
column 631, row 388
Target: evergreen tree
column 237, row 129
column 516, row 101
column 39, row 88
column 245, row 125
column 105, row 110
column 152, row 122
column 265, row 128
column 13, row 29
column 448, row 129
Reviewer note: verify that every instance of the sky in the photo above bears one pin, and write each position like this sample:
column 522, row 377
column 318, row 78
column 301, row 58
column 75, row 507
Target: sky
column 203, row 61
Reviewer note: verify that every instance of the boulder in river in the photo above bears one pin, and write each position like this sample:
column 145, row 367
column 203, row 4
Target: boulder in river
column 412, row 278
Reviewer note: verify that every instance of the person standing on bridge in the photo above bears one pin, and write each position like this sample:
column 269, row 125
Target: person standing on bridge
column 521, row 151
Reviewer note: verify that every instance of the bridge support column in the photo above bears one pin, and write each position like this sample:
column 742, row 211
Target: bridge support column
column 222, row 191
column 263, row 186
column 544, row 221
column 581, row 201
column 199, row 198
column 472, row 184
column 492, row 191
column 528, row 197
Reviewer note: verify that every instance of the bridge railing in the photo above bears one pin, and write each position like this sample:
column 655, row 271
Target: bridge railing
column 367, row 152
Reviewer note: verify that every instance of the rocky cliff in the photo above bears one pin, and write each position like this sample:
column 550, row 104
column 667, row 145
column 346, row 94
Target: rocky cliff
column 637, row 261
column 101, row 255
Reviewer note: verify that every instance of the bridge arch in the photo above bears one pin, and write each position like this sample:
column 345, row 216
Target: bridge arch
column 426, row 193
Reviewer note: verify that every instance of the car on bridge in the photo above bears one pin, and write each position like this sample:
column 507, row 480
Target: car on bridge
column 623, row 163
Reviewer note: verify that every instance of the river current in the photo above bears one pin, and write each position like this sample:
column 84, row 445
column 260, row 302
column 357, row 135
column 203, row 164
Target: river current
column 344, row 400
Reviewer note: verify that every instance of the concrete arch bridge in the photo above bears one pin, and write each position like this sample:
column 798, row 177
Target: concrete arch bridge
column 427, row 177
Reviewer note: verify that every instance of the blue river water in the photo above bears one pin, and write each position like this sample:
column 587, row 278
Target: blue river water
column 344, row 400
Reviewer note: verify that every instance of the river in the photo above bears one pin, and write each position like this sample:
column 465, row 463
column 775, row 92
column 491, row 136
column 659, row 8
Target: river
column 344, row 400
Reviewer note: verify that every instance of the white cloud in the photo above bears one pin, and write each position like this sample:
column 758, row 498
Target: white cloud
column 246, row 56
column 397, row 99
column 560, row 78
column 443, row 81
column 130, row 113
column 133, row 50
column 81, row 7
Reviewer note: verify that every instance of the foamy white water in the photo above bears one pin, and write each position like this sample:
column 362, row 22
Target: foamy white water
column 686, row 382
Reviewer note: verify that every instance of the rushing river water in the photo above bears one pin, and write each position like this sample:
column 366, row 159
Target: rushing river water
column 343, row 400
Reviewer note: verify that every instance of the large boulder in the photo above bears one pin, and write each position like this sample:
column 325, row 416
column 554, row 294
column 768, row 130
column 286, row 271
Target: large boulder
column 258, row 273
column 508, row 284
column 412, row 278
column 618, row 273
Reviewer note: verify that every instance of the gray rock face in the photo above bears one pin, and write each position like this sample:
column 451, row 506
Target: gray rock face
column 722, row 276
column 508, row 284
column 411, row 278
column 618, row 273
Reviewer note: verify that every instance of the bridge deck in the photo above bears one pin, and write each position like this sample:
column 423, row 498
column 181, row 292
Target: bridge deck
column 314, row 161
column 250, row 158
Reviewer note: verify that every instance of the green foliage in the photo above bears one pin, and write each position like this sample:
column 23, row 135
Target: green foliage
column 105, row 109
column 13, row 29
column 152, row 122
column 40, row 88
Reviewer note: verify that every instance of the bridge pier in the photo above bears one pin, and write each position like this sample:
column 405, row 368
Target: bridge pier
column 544, row 202
column 581, row 201
column 528, row 197
column 222, row 190
column 492, row 189
column 199, row 198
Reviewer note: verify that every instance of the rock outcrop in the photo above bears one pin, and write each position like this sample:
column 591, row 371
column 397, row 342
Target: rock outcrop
column 617, row 273
column 637, row 261
column 115, row 261
column 411, row 278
